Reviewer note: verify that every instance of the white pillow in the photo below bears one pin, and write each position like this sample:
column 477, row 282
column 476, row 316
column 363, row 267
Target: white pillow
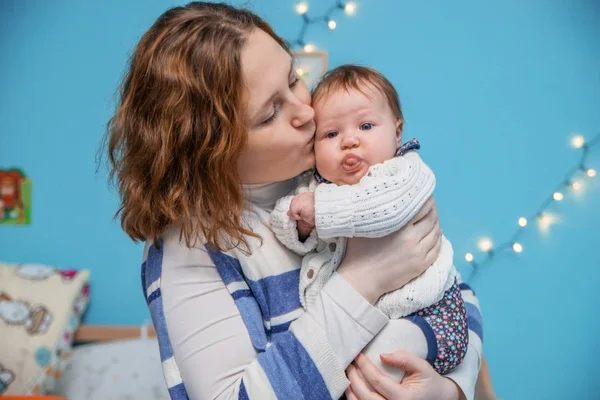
column 127, row 369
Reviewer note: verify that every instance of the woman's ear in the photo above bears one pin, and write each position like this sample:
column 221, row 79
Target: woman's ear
column 399, row 126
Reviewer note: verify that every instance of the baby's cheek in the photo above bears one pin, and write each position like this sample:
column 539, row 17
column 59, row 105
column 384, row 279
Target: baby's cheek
column 326, row 168
column 321, row 156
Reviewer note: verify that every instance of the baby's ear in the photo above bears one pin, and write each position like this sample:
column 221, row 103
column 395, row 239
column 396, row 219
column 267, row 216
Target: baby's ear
column 399, row 126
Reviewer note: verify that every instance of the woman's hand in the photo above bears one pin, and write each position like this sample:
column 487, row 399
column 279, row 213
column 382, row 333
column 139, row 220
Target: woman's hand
column 374, row 267
column 421, row 382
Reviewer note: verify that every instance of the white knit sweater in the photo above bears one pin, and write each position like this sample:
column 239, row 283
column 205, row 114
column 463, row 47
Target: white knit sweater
column 385, row 200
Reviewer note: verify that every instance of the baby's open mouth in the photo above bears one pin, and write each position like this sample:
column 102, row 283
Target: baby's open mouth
column 351, row 163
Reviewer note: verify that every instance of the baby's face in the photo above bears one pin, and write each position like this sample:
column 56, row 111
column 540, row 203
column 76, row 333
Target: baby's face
column 354, row 132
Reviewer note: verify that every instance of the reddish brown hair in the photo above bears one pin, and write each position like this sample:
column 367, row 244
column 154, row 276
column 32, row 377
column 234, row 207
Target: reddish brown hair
column 354, row 77
column 177, row 133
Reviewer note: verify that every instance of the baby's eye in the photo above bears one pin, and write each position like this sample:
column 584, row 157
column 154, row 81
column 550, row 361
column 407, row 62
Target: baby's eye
column 331, row 135
column 366, row 126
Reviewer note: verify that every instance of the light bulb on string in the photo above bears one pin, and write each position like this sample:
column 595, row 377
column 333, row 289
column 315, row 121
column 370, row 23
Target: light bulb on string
column 517, row 247
column 577, row 141
column 558, row 196
column 545, row 221
column 485, row 244
column 301, row 8
column 350, row 8
column 572, row 185
column 331, row 24
column 309, row 47
column 522, row 222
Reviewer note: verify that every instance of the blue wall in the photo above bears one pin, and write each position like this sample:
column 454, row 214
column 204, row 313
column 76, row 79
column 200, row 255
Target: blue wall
column 492, row 90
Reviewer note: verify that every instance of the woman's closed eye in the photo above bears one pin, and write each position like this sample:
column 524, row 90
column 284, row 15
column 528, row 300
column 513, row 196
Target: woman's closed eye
column 367, row 126
column 270, row 119
column 294, row 81
column 277, row 106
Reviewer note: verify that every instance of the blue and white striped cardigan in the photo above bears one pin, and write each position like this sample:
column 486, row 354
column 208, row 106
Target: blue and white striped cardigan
column 300, row 378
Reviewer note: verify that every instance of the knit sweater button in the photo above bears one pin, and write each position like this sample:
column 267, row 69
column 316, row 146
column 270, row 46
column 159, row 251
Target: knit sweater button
column 332, row 247
column 310, row 273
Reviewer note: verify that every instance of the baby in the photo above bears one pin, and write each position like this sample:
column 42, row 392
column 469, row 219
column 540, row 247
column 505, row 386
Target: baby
column 367, row 184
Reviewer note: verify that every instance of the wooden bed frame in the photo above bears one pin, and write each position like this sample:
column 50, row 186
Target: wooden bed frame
column 107, row 333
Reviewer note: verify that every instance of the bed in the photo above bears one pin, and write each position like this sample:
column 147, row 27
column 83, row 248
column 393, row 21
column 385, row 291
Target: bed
column 113, row 362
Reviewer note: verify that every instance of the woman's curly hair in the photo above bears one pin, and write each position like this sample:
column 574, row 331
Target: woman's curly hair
column 179, row 127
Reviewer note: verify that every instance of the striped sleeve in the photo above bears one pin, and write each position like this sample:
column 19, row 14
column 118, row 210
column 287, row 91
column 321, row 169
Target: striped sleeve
column 465, row 375
column 297, row 363
column 474, row 317
column 222, row 349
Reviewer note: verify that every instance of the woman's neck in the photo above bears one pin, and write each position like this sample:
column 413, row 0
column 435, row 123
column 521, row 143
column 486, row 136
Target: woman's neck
column 264, row 195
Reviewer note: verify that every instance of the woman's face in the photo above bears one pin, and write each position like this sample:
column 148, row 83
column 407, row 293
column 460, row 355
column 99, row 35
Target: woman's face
column 280, row 123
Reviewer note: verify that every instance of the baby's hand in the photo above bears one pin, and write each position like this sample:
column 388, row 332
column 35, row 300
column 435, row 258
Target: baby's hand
column 302, row 209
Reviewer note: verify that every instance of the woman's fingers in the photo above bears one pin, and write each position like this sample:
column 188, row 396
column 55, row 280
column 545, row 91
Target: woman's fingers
column 430, row 235
column 427, row 223
column 380, row 382
column 426, row 209
column 359, row 385
column 407, row 361
column 431, row 243
column 433, row 254
column 350, row 394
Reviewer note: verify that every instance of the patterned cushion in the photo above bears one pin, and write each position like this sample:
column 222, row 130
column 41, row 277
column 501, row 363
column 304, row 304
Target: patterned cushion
column 40, row 309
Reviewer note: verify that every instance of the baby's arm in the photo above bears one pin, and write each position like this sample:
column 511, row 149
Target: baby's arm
column 290, row 220
column 382, row 202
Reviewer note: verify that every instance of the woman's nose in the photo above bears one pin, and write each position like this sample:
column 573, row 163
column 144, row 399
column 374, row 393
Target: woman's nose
column 303, row 115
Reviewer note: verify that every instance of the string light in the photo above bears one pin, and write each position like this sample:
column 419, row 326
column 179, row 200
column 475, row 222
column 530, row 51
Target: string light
column 301, row 8
column 558, row 196
column 485, row 244
column 544, row 217
column 578, row 141
column 350, row 8
column 522, row 222
column 545, row 221
column 517, row 247
column 309, row 47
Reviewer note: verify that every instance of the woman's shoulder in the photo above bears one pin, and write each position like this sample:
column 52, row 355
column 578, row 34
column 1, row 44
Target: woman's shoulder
column 175, row 252
column 172, row 250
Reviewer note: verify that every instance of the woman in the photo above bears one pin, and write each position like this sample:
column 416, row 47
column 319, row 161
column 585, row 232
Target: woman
column 212, row 127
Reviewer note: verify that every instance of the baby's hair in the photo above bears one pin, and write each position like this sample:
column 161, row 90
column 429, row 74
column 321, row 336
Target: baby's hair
column 354, row 77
